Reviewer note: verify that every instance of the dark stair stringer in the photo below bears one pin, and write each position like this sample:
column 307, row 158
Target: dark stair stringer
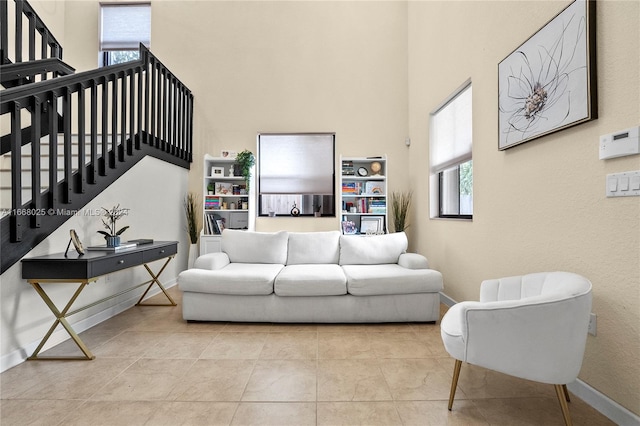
column 13, row 252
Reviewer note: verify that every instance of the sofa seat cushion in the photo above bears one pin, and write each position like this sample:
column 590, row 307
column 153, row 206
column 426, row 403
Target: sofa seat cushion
column 311, row 280
column 235, row 278
column 370, row 280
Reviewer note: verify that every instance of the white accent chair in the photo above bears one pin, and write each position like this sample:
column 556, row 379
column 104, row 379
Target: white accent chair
column 532, row 326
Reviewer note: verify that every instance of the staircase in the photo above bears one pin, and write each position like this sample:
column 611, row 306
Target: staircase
column 67, row 136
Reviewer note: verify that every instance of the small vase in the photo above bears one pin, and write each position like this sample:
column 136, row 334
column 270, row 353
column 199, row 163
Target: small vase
column 113, row 241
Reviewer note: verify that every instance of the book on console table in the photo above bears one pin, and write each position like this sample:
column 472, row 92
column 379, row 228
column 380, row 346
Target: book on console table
column 121, row 247
column 141, row 241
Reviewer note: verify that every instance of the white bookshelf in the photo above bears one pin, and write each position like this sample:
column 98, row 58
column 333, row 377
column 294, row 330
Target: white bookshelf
column 224, row 197
column 363, row 193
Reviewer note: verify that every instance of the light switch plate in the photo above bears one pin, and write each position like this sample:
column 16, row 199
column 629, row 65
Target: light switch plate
column 626, row 184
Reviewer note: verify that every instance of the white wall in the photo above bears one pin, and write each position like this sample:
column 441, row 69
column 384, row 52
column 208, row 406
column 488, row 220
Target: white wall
column 153, row 190
column 539, row 206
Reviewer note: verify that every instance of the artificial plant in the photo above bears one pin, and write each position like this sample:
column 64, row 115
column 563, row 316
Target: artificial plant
column 400, row 203
column 191, row 204
column 245, row 161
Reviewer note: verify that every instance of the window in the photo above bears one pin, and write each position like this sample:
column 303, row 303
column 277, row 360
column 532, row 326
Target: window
column 296, row 169
column 122, row 28
column 451, row 165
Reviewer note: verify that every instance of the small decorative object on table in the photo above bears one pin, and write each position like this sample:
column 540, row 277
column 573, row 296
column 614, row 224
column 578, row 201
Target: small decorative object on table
column 112, row 216
column 295, row 211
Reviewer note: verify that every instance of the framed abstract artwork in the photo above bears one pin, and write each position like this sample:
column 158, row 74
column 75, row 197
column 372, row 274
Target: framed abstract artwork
column 549, row 82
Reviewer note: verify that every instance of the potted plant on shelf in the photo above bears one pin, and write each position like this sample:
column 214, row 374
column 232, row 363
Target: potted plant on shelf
column 400, row 203
column 111, row 217
column 190, row 204
column 245, row 161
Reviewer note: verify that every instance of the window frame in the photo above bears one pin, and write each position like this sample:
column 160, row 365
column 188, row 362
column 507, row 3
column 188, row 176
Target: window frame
column 459, row 192
column 104, row 53
column 303, row 196
column 437, row 178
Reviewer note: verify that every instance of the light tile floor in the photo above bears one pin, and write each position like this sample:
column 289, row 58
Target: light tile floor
column 153, row 368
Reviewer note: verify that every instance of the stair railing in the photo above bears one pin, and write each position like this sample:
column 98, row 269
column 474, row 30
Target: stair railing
column 119, row 109
column 36, row 28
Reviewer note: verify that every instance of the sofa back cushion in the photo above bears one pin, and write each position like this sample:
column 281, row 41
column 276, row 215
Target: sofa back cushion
column 255, row 247
column 313, row 248
column 372, row 250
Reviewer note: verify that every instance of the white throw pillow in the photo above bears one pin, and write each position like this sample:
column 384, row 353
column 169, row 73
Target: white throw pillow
column 314, row 247
column 372, row 250
column 255, row 247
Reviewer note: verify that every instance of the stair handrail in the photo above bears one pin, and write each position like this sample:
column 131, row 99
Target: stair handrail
column 50, row 47
column 141, row 103
column 148, row 63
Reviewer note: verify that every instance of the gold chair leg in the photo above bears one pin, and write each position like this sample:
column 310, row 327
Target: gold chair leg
column 562, row 397
column 566, row 393
column 454, row 382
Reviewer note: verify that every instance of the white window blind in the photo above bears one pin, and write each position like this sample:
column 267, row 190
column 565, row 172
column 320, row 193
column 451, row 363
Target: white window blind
column 125, row 26
column 296, row 163
column 451, row 132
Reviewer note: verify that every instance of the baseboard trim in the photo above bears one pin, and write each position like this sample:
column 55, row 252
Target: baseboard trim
column 446, row 300
column 599, row 401
column 602, row 403
column 20, row 355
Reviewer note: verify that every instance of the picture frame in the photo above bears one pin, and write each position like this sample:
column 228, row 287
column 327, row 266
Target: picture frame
column 371, row 224
column 75, row 240
column 349, row 227
column 226, row 153
column 217, row 171
column 220, row 225
column 374, row 187
column 223, row 188
column 549, row 82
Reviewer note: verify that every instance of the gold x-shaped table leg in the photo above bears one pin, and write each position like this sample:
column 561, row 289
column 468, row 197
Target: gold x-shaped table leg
column 61, row 318
column 155, row 280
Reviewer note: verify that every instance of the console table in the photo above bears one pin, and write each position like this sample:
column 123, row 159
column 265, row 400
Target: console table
column 85, row 269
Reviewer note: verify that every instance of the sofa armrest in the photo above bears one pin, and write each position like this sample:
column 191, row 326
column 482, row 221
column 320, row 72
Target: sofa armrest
column 212, row 261
column 413, row 261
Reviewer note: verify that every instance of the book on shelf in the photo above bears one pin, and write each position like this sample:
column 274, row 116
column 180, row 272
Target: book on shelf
column 351, row 188
column 212, row 202
column 214, row 224
column 347, row 168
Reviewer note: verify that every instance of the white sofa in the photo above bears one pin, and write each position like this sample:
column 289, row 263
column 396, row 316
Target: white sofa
column 311, row 277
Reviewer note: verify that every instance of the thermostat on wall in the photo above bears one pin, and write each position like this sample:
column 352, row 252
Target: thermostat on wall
column 619, row 144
